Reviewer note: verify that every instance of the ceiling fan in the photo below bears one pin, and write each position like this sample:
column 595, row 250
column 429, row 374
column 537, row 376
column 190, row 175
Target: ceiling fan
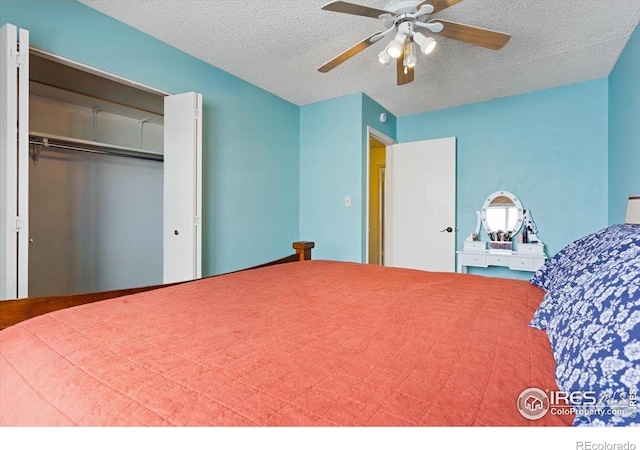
column 410, row 18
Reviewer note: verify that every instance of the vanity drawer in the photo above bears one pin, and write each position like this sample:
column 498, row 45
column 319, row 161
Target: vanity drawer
column 521, row 263
column 471, row 259
column 536, row 249
column 498, row 260
column 475, row 245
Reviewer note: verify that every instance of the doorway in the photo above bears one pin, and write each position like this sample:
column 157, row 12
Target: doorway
column 376, row 197
column 377, row 166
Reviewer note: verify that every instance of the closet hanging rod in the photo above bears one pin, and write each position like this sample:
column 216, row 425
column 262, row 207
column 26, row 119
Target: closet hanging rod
column 49, row 143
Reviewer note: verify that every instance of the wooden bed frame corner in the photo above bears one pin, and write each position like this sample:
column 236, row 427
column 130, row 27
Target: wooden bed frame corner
column 303, row 249
column 15, row 311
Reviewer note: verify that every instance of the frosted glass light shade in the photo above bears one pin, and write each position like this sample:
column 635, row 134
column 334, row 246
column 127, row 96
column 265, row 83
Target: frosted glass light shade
column 395, row 49
column 410, row 58
column 427, row 44
column 384, row 57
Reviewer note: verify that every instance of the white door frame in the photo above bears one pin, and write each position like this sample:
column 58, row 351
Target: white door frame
column 387, row 141
column 382, row 197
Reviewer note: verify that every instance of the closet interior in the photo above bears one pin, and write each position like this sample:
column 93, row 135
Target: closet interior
column 95, row 181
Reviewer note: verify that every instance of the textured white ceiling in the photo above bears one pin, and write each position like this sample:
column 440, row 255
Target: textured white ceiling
column 279, row 44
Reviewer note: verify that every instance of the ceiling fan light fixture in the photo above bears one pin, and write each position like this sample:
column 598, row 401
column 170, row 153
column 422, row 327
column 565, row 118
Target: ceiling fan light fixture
column 427, row 44
column 410, row 58
column 395, row 49
column 384, row 57
column 404, row 19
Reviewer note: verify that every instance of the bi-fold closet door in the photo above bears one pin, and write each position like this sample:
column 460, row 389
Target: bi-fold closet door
column 14, row 162
column 182, row 180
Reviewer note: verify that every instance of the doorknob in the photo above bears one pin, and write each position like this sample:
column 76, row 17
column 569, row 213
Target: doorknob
column 448, row 230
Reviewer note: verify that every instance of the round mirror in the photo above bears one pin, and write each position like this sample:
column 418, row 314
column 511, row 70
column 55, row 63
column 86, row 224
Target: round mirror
column 502, row 216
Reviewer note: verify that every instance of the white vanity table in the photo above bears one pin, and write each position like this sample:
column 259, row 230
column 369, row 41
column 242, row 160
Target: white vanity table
column 530, row 262
column 502, row 218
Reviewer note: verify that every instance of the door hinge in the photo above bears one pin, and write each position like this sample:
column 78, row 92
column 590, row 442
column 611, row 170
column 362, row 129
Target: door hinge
column 17, row 224
column 18, row 58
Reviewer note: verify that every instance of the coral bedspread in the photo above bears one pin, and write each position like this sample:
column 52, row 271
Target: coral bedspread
column 315, row 343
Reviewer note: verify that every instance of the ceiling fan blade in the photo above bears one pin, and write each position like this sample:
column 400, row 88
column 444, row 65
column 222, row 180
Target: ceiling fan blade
column 438, row 5
column 357, row 10
column 353, row 51
column 403, row 78
column 493, row 40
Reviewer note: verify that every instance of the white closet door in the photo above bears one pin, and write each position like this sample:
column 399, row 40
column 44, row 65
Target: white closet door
column 421, row 205
column 14, row 162
column 182, row 241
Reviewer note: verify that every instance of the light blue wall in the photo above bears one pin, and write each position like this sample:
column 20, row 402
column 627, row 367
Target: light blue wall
column 333, row 143
column 250, row 137
column 624, row 129
column 371, row 111
column 547, row 147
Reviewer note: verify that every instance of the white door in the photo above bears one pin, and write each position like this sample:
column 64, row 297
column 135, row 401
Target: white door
column 14, row 162
column 182, row 233
column 421, row 205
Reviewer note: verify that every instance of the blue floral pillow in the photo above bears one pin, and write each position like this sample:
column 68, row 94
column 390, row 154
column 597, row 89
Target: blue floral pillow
column 583, row 255
column 595, row 338
column 577, row 262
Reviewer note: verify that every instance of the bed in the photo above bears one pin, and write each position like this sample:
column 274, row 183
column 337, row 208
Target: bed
column 326, row 343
